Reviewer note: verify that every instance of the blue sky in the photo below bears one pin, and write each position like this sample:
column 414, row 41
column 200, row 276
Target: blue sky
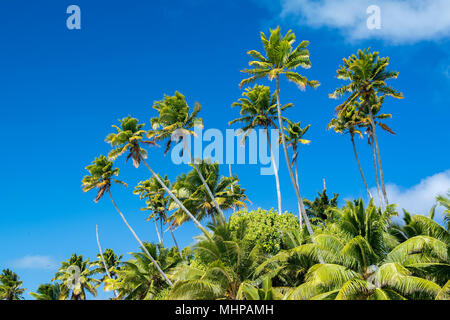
column 61, row 90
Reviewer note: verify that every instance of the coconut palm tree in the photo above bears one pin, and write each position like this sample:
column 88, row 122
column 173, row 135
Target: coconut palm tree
column 100, row 177
column 48, row 291
column 76, row 277
column 10, row 286
column 445, row 202
column 128, row 138
column 294, row 137
column 367, row 74
column 107, row 264
column 137, row 279
column 189, row 187
column 345, row 123
column 224, row 266
column 259, row 109
column 282, row 59
column 174, row 121
column 157, row 201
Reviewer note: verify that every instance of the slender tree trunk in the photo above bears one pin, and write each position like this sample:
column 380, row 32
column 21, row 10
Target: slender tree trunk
column 275, row 170
column 162, row 232
column 178, row 202
column 140, row 242
column 286, row 154
column 208, row 190
column 232, row 189
column 374, row 156
column 103, row 259
column 374, row 132
column 157, row 232
column 175, row 241
column 300, row 220
column 359, row 166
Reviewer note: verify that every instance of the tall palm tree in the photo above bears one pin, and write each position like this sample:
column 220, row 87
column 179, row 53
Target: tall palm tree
column 10, row 286
column 111, row 255
column 128, row 138
column 48, row 291
column 294, row 137
column 100, row 177
column 259, row 109
column 347, row 122
column 174, row 121
column 190, row 188
column 137, row 279
column 76, row 277
column 282, row 59
column 367, row 74
column 157, row 201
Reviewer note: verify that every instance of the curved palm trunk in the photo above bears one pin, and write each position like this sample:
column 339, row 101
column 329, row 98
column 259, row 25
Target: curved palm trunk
column 374, row 131
column 140, row 242
column 275, row 170
column 374, row 156
column 300, row 220
column 162, row 232
column 103, row 258
column 175, row 241
column 291, row 174
column 178, row 202
column 359, row 166
column 157, row 232
column 208, row 190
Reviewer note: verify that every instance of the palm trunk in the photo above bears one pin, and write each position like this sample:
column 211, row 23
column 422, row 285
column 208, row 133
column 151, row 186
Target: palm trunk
column 103, row 259
column 286, row 154
column 178, row 202
column 359, row 166
column 275, row 170
column 157, row 231
column 162, row 232
column 175, row 241
column 374, row 131
column 140, row 242
column 208, row 190
column 374, row 156
column 300, row 220
column 232, row 189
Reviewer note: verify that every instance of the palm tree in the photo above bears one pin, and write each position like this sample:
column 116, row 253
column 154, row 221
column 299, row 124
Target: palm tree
column 319, row 207
column 174, row 121
column 294, row 137
column 48, row 291
column 348, row 123
column 189, row 187
column 10, row 286
column 259, row 109
column 137, row 279
column 363, row 261
column 76, row 277
column 367, row 73
column 128, row 138
column 281, row 59
column 445, row 202
column 224, row 267
column 100, row 177
column 157, row 201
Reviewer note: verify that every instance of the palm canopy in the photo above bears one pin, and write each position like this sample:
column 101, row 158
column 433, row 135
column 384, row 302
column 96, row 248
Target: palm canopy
column 368, row 74
column 174, row 115
column 112, row 261
column 128, row 138
column 281, row 58
column 258, row 109
column 48, row 291
column 294, row 136
column 155, row 196
column 77, row 277
column 444, row 201
column 101, row 173
column 189, row 187
column 10, row 286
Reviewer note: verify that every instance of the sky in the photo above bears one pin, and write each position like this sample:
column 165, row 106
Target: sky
column 61, row 90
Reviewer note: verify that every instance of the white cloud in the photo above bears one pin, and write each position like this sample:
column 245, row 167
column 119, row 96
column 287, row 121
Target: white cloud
column 35, row 262
column 419, row 198
column 402, row 21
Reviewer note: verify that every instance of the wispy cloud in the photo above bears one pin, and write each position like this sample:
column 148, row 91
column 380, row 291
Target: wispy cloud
column 402, row 21
column 35, row 262
column 419, row 198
